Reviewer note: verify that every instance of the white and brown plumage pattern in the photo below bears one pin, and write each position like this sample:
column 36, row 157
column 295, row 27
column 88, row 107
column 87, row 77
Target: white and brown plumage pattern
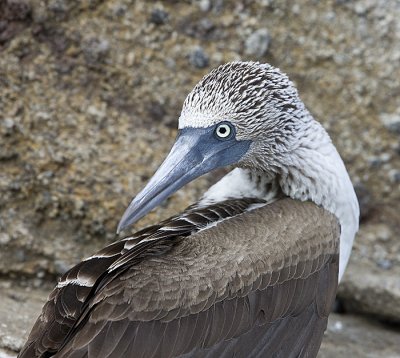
column 251, row 270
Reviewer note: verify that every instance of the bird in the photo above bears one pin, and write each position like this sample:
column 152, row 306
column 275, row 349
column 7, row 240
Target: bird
column 249, row 270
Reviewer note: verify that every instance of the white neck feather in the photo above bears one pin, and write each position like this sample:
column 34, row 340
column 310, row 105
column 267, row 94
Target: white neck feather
column 242, row 183
column 313, row 171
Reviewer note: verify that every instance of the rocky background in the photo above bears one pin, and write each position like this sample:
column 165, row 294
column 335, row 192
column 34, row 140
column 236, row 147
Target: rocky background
column 90, row 93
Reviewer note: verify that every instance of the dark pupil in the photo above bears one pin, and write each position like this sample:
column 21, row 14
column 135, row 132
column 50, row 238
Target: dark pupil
column 222, row 130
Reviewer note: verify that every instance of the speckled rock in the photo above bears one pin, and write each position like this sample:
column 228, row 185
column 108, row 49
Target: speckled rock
column 257, row 43
column 358, row 337
column 198, row 58
column 90, row 92
column 391, row 121
column 158, row 16
column 21, row 302
column 375, row 293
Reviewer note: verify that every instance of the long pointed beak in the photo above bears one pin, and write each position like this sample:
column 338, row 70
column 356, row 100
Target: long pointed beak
column 195, row 152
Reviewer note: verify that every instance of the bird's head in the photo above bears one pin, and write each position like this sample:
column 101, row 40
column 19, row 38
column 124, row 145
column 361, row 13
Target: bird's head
column 242, row 113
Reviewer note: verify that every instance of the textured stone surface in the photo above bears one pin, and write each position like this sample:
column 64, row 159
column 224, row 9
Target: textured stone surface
column 375, row 292
column 23, row 303
column 358, row 337
column 90, row 93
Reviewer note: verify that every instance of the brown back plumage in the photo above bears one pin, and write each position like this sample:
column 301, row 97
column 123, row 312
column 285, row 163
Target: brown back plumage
column 251, row 284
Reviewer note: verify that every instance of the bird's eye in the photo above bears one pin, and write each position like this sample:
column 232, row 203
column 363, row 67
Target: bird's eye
column 223, row 131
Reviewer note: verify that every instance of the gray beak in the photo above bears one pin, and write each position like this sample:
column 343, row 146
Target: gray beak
column 196, row 151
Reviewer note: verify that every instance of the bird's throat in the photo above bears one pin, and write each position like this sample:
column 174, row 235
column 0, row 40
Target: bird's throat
column 243, row 183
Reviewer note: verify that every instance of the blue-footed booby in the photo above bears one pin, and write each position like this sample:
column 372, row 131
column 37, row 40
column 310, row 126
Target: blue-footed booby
column 250, row 270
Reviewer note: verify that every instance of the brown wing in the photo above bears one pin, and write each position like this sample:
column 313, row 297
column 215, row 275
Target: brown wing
column 78, row 285
column 259, row 284
column 285, row 320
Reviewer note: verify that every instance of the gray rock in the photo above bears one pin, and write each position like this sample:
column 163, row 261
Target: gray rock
column 25, row 304
column 203, row 29
column 15, row 10
column 357, row 337
column 61, row 266
column 364, row 199
column 397, row 149
column 391, row 121
column 257, row 43
column 4, row 238
column 198, row 58
column 119, row 9
column 6, row 353
column 204, row 5
column 95, row 50
column 394, row 176
column 8, row 123
column 385, row 264
column 376, row 161
column 58, row 6
column 159, row 16
column 370, row 290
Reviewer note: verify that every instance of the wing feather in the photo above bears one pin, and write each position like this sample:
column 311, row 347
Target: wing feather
column 252, row 293
column 198, row 335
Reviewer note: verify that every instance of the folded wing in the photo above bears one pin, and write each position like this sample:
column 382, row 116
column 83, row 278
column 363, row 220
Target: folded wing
column 259, row 283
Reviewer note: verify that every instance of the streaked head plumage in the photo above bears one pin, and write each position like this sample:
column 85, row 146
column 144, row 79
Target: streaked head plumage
column 251, row 95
